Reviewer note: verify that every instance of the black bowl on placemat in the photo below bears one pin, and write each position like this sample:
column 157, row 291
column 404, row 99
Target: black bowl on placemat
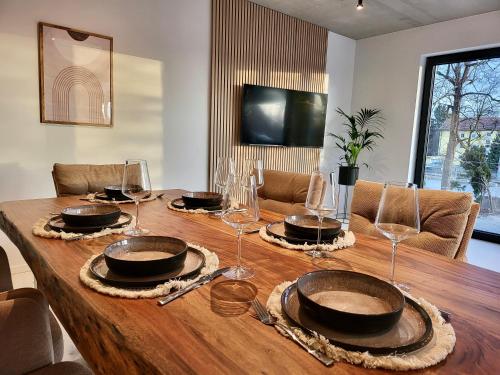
column 306, row 227
column 91, row 215
column 57, row 224
column 114, row 192
column 195, row 261
column 413, row 331
column 350, row 301
column 199, row 199
column 149, row 255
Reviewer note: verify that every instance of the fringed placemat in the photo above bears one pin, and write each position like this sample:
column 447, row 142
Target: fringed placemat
column 41, row 229
column 339, row 243
column 92, row 198
column 435, row 351
column 190, row 211
column 194, row 211
column 86, row 277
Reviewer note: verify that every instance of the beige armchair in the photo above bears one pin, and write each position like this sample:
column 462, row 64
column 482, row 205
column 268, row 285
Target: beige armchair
column 26, row 336
column 77, row 179
column 284, row 192
column 446, row 218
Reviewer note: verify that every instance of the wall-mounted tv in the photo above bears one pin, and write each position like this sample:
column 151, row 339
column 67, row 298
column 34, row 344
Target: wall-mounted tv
column 279, row 117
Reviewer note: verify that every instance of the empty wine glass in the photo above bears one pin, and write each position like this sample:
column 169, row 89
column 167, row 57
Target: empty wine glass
column 225, row 167
column 321, row 201
column 398, row 216
column 254, row 167
column 239, row 219
column 136, row 186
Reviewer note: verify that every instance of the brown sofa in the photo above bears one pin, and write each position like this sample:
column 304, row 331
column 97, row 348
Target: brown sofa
column 446, row 218
column 78, row 179
column 284, row 192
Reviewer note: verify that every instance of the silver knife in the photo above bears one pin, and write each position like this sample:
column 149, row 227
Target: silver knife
column 202, row 281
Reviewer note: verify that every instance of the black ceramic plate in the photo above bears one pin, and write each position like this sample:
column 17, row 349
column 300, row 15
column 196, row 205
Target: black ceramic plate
column 179, row 203
column 104, row 197
column 56, row 223
column 148, row 255
column 306, row 226
column 350, row 301
column 413, row 331
column 195, row 261
column 278, row 230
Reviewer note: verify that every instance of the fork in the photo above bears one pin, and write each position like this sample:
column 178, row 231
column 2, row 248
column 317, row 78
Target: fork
column 265, row 317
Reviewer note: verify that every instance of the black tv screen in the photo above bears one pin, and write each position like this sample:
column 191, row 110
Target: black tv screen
column 279, row 117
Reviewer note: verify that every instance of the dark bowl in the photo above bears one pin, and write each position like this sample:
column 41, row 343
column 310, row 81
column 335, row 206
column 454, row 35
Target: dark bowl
column 306, row 226
column 115, row 192
column 91, row 215
column 350, row 301
column 201, row 199
column 142, row 256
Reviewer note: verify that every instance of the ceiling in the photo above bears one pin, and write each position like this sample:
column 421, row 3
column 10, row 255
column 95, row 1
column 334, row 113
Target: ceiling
column 378, row 16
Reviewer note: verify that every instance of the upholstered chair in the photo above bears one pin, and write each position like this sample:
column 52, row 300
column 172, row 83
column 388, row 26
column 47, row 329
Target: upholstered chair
column 446, row 218
column 78, row 179
column 26, row 336
column 55, row 329
column 284, row 192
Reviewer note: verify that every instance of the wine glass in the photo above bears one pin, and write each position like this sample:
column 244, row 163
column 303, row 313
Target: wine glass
column 398, row 216
column 321, row 201
column 225, row 167
column 136, row 186
column 254, row 167
column 240, row 218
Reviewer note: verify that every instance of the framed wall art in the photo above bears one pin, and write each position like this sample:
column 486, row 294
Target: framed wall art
column 76, row 76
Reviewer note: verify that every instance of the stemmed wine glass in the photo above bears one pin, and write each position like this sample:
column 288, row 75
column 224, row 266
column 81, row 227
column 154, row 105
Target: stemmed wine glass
column 254, row 167
column 136, row 186
column 239, row 219
column 225, row 167
column 398, row 217
column 321, row 201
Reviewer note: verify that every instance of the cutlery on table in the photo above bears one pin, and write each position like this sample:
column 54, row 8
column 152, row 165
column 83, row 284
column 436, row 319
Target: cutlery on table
column 202, row 281
column 265, row 317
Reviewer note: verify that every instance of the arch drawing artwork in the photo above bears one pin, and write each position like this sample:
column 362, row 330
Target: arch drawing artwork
column 75, row 77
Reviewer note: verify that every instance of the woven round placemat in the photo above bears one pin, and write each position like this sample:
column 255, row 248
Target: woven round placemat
column 340, row 242
column 41, row 229
column 92, row 198
column 87, row 278
column 435, row 351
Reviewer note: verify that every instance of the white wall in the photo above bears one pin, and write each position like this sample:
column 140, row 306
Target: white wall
column 161, row 93
column 387, row 75
column 340, row 73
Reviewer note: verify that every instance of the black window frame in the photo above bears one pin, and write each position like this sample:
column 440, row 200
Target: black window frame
column 425, row 108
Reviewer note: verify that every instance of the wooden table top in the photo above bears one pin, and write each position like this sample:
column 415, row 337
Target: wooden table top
column 208, row 332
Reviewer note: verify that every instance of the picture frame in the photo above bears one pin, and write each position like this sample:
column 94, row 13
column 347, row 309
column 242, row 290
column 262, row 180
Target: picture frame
column 75, row 76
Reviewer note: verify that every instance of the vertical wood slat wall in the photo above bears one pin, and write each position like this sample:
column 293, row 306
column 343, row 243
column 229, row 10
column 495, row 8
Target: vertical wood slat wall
column 256, row 45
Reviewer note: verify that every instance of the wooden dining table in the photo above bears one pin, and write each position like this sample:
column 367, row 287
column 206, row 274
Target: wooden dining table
column 210, row 330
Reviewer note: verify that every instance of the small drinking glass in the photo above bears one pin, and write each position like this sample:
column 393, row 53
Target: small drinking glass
column 254, row 167
column 240, row 218
column 321, row 201
column 398, row 217
column 136, row 186
column 225, row 167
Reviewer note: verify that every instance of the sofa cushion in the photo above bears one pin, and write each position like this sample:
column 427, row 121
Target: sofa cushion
column 77, row 179
column 443, row 216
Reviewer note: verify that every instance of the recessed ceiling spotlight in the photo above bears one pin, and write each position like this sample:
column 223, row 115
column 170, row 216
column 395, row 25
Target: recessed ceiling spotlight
column 360, row 5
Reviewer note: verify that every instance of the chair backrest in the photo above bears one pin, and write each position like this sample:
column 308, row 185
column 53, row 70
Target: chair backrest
column 284, row 192
column 446, row 218
column 77, row 179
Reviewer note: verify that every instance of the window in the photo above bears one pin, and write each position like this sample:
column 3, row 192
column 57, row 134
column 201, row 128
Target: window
column 459, row 137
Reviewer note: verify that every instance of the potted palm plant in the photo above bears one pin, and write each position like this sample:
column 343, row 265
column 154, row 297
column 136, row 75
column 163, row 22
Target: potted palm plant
column 362, row 130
